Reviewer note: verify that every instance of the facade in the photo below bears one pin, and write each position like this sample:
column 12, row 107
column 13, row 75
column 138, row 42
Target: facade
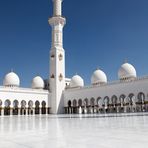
column 59, row 94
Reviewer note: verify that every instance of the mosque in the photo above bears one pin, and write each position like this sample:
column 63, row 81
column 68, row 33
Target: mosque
column 58, row 94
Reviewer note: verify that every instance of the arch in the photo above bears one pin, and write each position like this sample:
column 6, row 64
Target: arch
column 114, row 102
column 30, row 107
column 86, row 102
column 7, row 104
column 122, row 98
column 43, row 107
column 131, row 97
column 15, row 107
column 30, row 104
column 37, row 107
column 141, row 102
column 23, row 104
column 92, row 102
column 23, row 107
column 43, row 104
column 141, row 97
column 106, row 103
column 80, row 102
column 99, row 102
column 106, row 100
column 69, row 103
column 114, row 99
column 74, row 103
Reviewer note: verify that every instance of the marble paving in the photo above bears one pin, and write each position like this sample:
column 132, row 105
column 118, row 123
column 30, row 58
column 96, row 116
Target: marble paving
column 75, row 131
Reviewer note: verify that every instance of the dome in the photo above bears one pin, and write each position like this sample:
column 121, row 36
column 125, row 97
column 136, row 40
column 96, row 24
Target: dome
column 127, row 71
column 98, row 77
column 37, row 83
column 76, row 81
column 11, row 79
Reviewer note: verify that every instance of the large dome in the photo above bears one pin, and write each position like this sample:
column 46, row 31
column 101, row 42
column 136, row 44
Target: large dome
column 37, row 83
column 11, row 79
column 76, row 81
column 98, row 77
column 127, row 71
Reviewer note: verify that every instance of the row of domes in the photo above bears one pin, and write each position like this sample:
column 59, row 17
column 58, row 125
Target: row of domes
column 126, row 72
column 12, row 79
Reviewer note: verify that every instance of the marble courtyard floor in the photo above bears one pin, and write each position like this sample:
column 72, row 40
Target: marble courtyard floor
column 75, row 131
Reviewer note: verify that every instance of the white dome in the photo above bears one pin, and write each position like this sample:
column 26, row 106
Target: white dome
column 37, row 83
column 11, row 79
column 76, row 81
column 98, row 77
column 126, row 71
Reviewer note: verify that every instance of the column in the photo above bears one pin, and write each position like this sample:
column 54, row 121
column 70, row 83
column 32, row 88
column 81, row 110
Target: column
column 2, row 111
column 11, row 110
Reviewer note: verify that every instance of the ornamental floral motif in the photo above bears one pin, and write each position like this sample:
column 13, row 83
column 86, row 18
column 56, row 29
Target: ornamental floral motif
column 60, row 57
column 60, row 77
column 52, row 56
column 52, row 76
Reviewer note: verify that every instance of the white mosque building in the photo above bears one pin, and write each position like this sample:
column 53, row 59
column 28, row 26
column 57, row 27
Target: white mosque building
column 59, row 95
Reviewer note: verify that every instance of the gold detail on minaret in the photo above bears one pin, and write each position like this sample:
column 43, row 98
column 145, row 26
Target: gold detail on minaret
column 60, row 77
column 60, row 57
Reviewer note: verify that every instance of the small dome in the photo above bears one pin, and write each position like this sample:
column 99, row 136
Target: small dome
column 127, row 71
column 76, row 81
column 11, row 79
column 98, row 77
column 37, row 83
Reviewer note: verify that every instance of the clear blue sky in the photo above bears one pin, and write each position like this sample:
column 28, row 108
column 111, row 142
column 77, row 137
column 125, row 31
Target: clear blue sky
column 98, row 33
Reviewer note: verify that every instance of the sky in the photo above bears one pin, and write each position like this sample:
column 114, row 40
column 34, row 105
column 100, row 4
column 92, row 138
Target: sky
column 98, row 34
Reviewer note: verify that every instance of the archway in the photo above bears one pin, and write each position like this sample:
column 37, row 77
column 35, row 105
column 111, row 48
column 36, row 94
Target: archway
column 106, row 104
column 114, row 103
column 23, row 107
column 69, row 107
column 74, row 106
column 99, row 104
column 86, row 104
column 122, row 100
column 132, row 103
column 141, row 102
column 7, row 107
column 43, row 107
column 37, row 107
column 92, row 105
column 80, row 102
column 15, row 107
column 30, row 107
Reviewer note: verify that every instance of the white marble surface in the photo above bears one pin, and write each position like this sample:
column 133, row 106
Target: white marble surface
column 92, row 131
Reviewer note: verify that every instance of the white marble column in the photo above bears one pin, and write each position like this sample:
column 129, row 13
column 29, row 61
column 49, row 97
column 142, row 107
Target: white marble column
column 46, row 110
column 40, row 110
column 11, row 110
column 2, row 111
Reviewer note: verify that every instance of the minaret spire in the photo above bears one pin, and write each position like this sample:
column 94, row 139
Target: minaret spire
column 57, row 59
column 57, row 8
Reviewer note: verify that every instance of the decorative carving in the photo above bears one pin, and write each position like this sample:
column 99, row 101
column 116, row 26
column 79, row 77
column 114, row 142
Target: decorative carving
column 60, row 57
column 60, row 77
column 52, row 76
column 52, row 56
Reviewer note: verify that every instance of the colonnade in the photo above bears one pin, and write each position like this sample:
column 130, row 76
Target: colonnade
column 123, row 104
column 23, row 108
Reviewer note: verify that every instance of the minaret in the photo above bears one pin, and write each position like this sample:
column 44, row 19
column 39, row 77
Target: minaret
column 57, row 59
